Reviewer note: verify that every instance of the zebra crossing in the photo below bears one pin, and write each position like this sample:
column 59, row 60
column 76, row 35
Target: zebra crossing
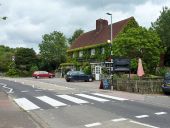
column 28, row 104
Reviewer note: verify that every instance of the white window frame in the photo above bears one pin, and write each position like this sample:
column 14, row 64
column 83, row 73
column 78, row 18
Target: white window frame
column 80, row 53
column 73, row 55
column 102, row 50
column 93, row 51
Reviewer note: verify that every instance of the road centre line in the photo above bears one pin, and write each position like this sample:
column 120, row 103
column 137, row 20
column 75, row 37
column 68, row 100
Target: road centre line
column 142, row 116
column 160, row 113
column 92, row 125
column 24, row 91
column 119, row 119
column 147, row 125
column 38, row 90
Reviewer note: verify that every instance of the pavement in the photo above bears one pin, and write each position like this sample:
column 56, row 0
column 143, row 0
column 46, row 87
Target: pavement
column 11, row 116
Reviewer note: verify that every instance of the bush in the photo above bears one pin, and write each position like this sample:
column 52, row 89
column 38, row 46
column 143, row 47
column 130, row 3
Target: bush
column 33, row 68
column 12, row 72
column 87, row 70
column 161, row 71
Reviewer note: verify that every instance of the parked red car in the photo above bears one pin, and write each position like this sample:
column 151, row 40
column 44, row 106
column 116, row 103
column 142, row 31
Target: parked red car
column 38, row 74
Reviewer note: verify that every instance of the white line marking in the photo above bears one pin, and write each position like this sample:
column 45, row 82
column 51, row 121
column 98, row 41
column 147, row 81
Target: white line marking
column 38, row 90
column 92, row 97
column 26, row 104
column 147, row 125
column 111, row 97
column 24, row 91
column 33, row 86
column 51, row 101
column 73, row 99
column 5, row 86
column 51, row 89
column 120, row 119
column 92, row 125
column 161, row 113
column 11, row 91
column 142, row 116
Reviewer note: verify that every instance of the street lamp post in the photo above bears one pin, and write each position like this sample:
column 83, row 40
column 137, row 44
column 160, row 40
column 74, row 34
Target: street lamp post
column 111, row 34
column 3, row 18
column 110, row 26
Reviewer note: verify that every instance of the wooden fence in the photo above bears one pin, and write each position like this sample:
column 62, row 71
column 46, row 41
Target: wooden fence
column 138, row 86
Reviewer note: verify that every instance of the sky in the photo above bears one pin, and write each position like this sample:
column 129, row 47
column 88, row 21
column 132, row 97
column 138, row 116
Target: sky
column 29, row 20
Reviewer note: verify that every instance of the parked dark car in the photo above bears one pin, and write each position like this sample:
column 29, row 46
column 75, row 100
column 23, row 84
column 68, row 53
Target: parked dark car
column 78, row 76
column 166, row 83
column 38, row 74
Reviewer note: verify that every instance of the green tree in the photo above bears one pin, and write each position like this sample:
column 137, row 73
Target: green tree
column 139, row 42
column 53, row 49
column 6, row 54
column 25, row 58
column 12, row 70
column 162, row 26
column 75, row 35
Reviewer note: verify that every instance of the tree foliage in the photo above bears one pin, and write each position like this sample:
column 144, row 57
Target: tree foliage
column 139, row 42
column 12, row 71
column 6, row 54
column 162, row 26
column 25, row 58
column 53, row 49
column 75, row 35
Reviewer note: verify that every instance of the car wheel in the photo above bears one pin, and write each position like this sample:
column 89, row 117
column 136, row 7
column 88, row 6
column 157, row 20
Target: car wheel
column 68, row 80
column 37, row 77
column 90, row 79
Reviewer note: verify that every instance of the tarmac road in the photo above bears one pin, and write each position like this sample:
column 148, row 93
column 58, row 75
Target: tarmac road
column 56, row 103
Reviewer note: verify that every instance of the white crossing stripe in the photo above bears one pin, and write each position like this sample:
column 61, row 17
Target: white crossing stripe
column 73, row 99
column 142, row 116
column 147, row 125
column 110, row 97
column 92, row 125
column 161, row 113
column 51, row 101
column 120, row 119
column 26, row 104
column 92, row 97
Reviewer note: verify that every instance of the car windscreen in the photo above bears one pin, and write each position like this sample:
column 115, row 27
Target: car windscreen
column 167, row 76
column 76, row 73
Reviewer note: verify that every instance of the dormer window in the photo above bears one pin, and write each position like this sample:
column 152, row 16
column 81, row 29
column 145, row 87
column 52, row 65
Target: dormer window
column 92, row 51
column 80, row 53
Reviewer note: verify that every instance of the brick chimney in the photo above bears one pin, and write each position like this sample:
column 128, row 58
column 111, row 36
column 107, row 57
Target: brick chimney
column 100, row 24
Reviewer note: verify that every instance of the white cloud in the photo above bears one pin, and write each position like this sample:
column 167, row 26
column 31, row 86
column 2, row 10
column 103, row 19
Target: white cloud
column 28, row 20
column 147, row 13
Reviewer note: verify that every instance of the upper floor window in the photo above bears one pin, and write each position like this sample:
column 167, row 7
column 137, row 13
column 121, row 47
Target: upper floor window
column 92, row 51
column 73, row 55
column 80, row 53
column 102, row 50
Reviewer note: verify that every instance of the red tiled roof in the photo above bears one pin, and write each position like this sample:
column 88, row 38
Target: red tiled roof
column 99, row 37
